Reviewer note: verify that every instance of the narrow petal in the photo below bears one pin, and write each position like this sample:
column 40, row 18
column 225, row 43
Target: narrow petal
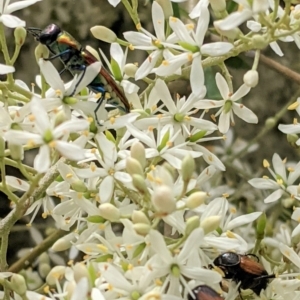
column 12, row 21
column 181, row 31
column 264, row 183
column 197, row 76
column 137, row 38
column 202, row 25
column 165, row 96
column 291, row 128
column 222, row 86
column 274, row 196
column 244, row 113
column 42, row 160
column 279, row 166
column 70, row 150
column 207, row 104
column 19, row 5
column 235, row 19
column 240, row 93
column 216, row 49
column 106, row 189
column 158, row 19
column 4, row 69
column 40, row 114
column 224, row 122
column 148, row 65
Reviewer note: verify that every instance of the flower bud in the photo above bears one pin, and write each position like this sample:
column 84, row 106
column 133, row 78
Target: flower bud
column 141, row 228
column 163, row 200
column 79, row 186
column 41, row 51
column 2, row 146
column 210, row 224
column 191, row 224
column 259, row 41
column 187, row 168
column 251, row 78
column 44, row 269
column 63, row 243
column 139, row 217
column 260, row 226
column 292, row 139
column 218, row 5
column 270, row 123
column 104, row 34
column 130, row 70
column 231, row 33
column 20, row 34
column 133, row 166
column 139, row 183
column 57, row 273
column 196, row 199
column 16, row 151
column 44, row 258
column 166, row 7
column 137, row 151
column 109, row 212
column 18, row 284
column 80, row 271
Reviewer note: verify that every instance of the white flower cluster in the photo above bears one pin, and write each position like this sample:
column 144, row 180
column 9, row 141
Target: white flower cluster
column 148, row 198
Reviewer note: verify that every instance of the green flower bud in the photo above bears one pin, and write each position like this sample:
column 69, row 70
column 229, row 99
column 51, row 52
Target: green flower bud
column 79, row 186
column 139, row 217
column 270, row 123
column 196, row 199
column 141, row 228
column 251, row 78
column 16, row 151
column 20, row 34
column 64, row 243
column 44, row 269
column 44, row 258
column 260, row 226
column 292, row 139
column 187, row 168
column 133, row 166
column 57, row 273
column 210, row 224
column 18, row 284
column 191, row 224
column 163, row 200
column 130, row 70
column 259, row 41
column 41, row 51
column 137, row 151
column 109, row 212
column 139, row 183
column 104, row 34
column 2, row 146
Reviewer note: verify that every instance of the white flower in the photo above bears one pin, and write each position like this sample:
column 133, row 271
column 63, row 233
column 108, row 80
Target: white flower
column 48, row 137
column 194, row 42
column 237, row 18
column 281, row 183
column 174, row 269
column 58, row 93
column 178, row 113
column 164, row 144
column 144, row 40
column 228, row 105
column 6, row 9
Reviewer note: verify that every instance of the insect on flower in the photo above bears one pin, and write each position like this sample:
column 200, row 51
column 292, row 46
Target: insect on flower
column 204, row 292
column 75, row 59
column 245, row 269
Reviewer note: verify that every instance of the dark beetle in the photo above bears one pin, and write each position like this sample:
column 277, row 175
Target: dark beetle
column 204, row 292
column 245, row 269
